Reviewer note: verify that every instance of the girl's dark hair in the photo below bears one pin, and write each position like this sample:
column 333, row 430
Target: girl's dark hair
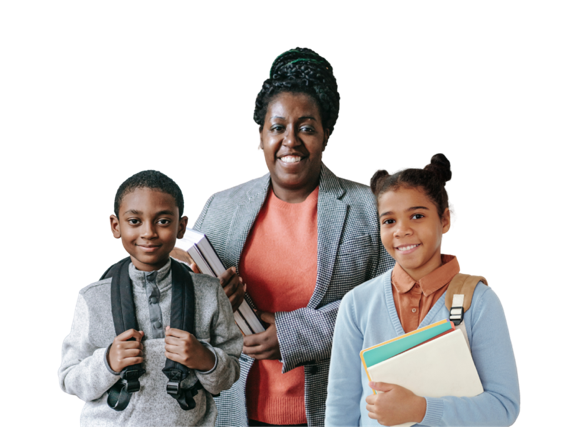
column 150, row 179
column 301, row 71
column 431, row 180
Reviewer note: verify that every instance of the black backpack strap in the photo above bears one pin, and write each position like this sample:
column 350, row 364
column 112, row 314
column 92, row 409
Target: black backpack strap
column 124, row 316
column 182, row 311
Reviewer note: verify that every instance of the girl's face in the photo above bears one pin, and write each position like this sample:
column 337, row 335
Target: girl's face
column 411, row 230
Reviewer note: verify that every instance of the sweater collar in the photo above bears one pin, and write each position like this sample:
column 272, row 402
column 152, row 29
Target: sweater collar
column 430, row 283
column 162, row 277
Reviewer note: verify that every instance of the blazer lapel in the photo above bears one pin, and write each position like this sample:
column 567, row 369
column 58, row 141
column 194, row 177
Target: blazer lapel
column 244, row 217
column 331, row 215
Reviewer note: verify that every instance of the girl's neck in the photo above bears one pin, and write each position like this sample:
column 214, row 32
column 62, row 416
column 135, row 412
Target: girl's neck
column 417, row 274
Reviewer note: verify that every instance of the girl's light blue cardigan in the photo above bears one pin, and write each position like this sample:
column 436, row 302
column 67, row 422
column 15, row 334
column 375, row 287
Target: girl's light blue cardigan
column 367, row 316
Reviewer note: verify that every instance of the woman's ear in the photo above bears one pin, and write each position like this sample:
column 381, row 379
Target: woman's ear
column 326, row 138
column 115, row 226
column 260, row 145
column 446, row 220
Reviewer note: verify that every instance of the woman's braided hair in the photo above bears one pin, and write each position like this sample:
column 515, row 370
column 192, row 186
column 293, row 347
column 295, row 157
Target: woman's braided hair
column 430, row 179
column 301, row 70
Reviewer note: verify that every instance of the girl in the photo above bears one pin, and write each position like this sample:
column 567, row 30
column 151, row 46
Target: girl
column 413, row 215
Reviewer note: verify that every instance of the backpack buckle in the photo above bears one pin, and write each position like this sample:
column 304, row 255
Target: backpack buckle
column 456, row 315
column 173, row 387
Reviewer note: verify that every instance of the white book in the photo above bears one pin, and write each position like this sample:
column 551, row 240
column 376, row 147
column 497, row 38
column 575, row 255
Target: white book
column 441, row 367
column 203, row 254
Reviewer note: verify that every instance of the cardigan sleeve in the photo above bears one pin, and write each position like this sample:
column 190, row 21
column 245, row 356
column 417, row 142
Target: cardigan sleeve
column 84, row 371
column 345, row 381
column 492, row 353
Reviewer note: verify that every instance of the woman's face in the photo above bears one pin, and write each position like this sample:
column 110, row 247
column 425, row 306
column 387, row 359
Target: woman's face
column 293, row 141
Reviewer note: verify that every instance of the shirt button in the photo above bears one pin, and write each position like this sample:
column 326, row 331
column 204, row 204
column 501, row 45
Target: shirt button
column 157, row 325
column 153, row 300
column 414, row 310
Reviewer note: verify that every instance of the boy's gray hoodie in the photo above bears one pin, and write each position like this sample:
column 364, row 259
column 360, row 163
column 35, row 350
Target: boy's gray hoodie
column 85, row 372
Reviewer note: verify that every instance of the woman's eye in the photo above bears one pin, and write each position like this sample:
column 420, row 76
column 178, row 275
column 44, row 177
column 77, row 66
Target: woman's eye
column 307, row 129
column 276, row 128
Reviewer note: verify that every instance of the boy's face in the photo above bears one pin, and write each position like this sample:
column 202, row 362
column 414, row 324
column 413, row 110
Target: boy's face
column 148, row 225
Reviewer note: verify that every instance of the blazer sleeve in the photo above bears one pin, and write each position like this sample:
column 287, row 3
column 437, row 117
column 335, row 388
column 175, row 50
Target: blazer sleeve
column 297, row 345
column 84, row 371
column 492, row 352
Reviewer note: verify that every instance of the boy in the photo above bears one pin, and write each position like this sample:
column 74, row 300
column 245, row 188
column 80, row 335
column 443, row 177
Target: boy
column 148, row 219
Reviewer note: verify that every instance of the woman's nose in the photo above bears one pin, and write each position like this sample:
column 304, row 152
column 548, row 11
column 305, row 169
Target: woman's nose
column 289, row 138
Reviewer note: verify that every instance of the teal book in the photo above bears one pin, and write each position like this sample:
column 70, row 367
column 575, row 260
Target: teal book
column 381, row 352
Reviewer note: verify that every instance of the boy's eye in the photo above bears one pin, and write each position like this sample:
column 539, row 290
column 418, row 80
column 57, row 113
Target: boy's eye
column 164, row 221
column 133, row 221
column 389, row 221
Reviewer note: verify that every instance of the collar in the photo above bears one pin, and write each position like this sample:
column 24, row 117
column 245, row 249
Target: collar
column 162, row 277
column 429, row 284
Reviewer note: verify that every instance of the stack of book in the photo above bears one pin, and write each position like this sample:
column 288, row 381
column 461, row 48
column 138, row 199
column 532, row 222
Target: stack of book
column 433, row 361
column 203, row 254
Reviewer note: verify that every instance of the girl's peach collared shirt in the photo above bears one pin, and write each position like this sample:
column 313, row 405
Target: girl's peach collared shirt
column 414, row 299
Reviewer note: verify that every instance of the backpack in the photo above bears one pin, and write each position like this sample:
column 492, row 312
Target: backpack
column 458, row 299
column 124, row 316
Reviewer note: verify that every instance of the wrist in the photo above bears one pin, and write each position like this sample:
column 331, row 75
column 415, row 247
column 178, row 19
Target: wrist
column 205, row 360
column 420, row 409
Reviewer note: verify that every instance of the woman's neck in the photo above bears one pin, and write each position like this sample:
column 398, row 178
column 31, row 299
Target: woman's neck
column 293, row 195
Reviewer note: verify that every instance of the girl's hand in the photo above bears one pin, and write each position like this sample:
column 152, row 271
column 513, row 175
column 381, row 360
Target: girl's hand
column 184, row 348
column 263, row 345
column 395, row 405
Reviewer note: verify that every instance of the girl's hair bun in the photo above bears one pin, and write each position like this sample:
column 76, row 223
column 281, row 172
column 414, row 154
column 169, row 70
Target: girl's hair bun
column 377, row 180
column 440, row 167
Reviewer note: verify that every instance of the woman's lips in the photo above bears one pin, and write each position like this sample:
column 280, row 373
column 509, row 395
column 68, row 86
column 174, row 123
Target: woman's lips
column 291, row 163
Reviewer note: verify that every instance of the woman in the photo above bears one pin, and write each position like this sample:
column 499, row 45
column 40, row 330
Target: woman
column 301, row 238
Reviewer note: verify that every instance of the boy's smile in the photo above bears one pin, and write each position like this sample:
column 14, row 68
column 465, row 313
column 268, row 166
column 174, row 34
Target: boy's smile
column 411, row 230
column 148, row 223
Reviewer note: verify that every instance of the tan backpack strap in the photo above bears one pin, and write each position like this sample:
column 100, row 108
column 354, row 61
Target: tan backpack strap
column 463, row 284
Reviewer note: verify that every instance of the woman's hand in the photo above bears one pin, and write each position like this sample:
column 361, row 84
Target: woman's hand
column 232, row 284
column 183, row 256
column 263, row 345
column 395, row 404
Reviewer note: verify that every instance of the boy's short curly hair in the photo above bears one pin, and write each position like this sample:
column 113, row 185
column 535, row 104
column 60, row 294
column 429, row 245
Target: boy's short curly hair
column 301, row 70
column 150, row 179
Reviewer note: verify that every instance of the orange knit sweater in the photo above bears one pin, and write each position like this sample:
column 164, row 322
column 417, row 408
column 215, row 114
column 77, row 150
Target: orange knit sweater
column 279, row 266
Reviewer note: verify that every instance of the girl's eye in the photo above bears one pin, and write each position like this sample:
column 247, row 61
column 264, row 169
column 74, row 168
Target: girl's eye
column 418, row 216
column 133, row 221
column 386, row 222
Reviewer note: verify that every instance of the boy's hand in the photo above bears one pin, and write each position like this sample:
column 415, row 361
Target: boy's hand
column 185, row 349
column 395, row 405
column 183, row 256
column 123, row 353
column 232, row 284
column 263, row 345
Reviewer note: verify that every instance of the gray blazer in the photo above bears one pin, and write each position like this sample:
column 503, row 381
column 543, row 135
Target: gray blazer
column 349, row 253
